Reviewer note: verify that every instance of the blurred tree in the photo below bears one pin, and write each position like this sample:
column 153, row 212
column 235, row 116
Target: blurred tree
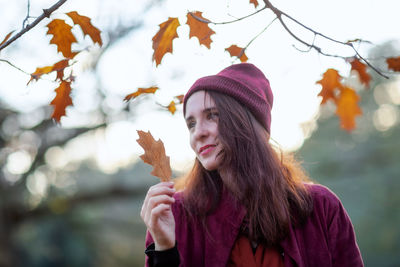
column 26, row 197
column 362, row 167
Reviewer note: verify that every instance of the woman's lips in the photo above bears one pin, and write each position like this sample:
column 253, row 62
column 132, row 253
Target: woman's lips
column 206, row 149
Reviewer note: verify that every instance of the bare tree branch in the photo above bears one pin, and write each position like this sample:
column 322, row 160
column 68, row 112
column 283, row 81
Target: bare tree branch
column 46, row 14
column 279, row 15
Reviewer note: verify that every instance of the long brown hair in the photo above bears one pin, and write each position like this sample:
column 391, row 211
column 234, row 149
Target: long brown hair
column 268, row 185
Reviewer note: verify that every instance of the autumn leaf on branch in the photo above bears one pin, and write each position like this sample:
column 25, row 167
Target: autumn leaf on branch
column 361, row 69
column 171, row 107
column 179, row 98
column 347, row 108
column 86, row 26
column 140, row 91
column 199, row 28
column 236, row 51
column 58, row 67
column 62, row 37
column 162, row 41
column 6, row 38
column 154, row 154
column 393, row 63
column 254, row 2
column 62, row 100
column 330, row 82
column 39, row 72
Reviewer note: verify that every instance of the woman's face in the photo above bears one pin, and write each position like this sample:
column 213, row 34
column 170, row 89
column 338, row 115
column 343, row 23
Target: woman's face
column 202, row 122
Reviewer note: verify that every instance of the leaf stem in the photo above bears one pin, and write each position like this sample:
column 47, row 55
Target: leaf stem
column 12, row 65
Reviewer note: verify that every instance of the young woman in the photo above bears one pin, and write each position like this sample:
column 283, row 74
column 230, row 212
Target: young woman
column 243, row 204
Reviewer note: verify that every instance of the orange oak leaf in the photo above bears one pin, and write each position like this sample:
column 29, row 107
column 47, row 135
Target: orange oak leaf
column 171, row 107
column 154, row 154
column 162, row 41
column 361, row 69
column 39, row 72
column 86, row 26
column 140, row 91
column 199, row 28
column 330, row 82
column 62, row 100
column 6, row 38
column 254, row 2
column 393, row 63
column 59, row 67
column 347, row 108
column 238, row 52
column 180, row 98
column 62, row 37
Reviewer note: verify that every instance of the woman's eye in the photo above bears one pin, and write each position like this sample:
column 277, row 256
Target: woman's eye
column 213, row 115
column 190, row 124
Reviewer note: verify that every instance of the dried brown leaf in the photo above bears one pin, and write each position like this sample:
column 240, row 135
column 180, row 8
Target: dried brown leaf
column 199, row 28
column 62, row 37
column 86, row 26
column 154, row 154
column 236, row 51
column 140, row 91
column 62, row 100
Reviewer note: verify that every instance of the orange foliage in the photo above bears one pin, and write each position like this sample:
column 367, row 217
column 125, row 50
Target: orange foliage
column 86, row 26
column 180, row 98
column 393, row 63
column 171, row 107
column 62, row 37
column 59, row 67
column 154, row 154
column 6, row 38
column 361, row 69
column 254, row 2
column 199, row 28
column 162, row 41
column 39, row 72
column 237, row 51
column 330, row 82
column 347, row 108
column 62, row 100
column 140, row 91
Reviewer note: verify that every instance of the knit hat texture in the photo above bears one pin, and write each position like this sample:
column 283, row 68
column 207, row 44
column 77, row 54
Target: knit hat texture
column 245, row 83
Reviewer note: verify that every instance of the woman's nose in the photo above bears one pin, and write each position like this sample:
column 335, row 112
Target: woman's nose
column 200, row 131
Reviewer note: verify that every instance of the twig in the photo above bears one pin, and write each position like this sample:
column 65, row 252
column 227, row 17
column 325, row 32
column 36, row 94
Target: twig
column 46, row 14
column 269, row 24
column 279, row 15
column 27, row 14
column 12, row 65
column 225, row 22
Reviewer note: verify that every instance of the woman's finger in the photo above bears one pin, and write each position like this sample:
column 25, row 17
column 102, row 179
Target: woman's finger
column 164, row 188
column 152, row 203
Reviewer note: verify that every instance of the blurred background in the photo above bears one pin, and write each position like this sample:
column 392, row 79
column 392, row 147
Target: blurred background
column 70, row 193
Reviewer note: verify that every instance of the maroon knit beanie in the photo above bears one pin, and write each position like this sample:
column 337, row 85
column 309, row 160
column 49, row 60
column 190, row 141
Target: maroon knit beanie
column 245, row 83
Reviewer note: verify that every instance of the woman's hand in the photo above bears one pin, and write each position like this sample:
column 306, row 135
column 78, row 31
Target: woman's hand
column 157, row 215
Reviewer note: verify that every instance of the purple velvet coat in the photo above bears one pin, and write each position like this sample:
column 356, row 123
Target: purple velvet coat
column 326, row 239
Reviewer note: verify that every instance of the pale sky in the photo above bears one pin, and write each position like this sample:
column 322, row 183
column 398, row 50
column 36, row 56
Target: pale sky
column 128, row 65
